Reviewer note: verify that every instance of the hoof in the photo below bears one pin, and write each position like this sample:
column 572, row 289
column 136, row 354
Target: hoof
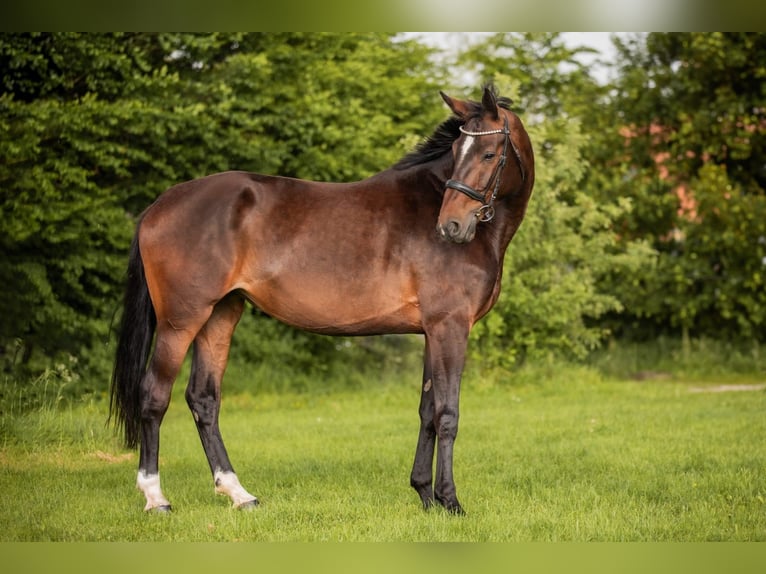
column 425, row 492
column 456, row 509
column 453, row 507
column 164, row 509
column 249, row 505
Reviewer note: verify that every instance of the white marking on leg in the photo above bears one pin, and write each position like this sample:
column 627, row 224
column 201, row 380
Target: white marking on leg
column 149, row 484
column 227, row 483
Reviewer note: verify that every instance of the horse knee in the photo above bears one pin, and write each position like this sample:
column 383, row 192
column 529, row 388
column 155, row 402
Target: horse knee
column 446, row 424
column 204, row 413
column 155, row 401
column 204, row 407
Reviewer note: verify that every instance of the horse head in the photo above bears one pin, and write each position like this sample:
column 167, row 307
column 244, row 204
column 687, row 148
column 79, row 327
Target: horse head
column 492, row 161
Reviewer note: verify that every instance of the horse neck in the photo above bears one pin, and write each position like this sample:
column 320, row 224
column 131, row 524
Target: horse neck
column 502, row 229
column 435, row 174
column 442, row 169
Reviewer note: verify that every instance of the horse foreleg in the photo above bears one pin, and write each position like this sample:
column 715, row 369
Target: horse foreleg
column 203, row 395
column 448, row 342
column 421, row 478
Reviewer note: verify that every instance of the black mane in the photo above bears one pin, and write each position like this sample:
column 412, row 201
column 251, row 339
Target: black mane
column 444, row 136
column 435, row 146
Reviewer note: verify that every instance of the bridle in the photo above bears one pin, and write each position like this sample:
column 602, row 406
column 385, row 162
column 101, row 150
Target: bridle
column 487, row 210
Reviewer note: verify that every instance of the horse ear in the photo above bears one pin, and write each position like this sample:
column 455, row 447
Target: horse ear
column 459, row 107
column 489, row 102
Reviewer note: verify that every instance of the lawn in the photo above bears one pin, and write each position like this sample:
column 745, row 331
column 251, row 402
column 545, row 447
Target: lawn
column 585, row 459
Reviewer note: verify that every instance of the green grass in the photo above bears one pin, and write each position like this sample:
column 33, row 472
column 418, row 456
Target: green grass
column 575, row 458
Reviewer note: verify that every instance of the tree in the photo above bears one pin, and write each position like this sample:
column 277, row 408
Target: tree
column 689, row 112
column 62, row 234
column 549, row 77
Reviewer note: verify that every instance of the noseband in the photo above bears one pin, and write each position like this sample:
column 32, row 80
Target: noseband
column 487, row 211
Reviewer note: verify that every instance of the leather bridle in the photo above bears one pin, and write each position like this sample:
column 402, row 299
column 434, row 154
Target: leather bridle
column 487, row 210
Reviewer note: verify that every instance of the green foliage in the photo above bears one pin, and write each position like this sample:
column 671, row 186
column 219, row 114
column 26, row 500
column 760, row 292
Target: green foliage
column 704, row 360
column 45, row 392
column 687, row 146
column 712, row 273
column 558, row 262
column 712, row 88
column 62, row 236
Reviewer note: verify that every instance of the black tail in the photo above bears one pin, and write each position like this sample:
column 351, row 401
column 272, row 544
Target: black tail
column 136, row 333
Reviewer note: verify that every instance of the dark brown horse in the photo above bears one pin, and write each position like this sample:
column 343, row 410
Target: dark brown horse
column 417, row 248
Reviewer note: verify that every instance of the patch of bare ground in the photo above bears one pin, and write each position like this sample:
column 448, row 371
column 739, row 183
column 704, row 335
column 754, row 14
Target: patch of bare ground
column 728, row 388
column 112, row 458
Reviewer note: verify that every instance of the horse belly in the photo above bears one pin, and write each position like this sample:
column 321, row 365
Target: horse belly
column 332, row 307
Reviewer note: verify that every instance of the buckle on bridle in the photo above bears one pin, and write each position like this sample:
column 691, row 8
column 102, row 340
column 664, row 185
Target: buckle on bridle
column 486, row 213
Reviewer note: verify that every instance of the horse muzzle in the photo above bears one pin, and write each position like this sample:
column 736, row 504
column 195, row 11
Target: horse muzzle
column 457, row 232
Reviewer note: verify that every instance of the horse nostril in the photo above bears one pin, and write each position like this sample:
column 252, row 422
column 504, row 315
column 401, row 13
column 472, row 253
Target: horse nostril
column 453, row 228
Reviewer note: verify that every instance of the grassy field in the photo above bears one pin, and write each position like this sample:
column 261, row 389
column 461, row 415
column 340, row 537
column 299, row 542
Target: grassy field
column 575, row 458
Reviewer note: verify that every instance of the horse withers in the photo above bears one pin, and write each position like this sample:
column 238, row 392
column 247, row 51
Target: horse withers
column 417, row 248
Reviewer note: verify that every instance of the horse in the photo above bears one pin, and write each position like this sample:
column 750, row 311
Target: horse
column 417, row 248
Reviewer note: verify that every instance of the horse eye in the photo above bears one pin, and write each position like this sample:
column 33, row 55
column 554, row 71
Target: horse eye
column 488, row 156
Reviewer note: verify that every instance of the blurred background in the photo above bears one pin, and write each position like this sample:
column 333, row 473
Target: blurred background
column 643, row 251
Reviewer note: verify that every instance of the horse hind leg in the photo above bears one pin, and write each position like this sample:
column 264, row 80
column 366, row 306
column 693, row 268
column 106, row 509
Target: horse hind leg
column 421, row 478
column 203, row 395
column 154, row 394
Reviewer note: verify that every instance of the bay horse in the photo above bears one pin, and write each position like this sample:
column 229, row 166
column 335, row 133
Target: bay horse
column 417, row 248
